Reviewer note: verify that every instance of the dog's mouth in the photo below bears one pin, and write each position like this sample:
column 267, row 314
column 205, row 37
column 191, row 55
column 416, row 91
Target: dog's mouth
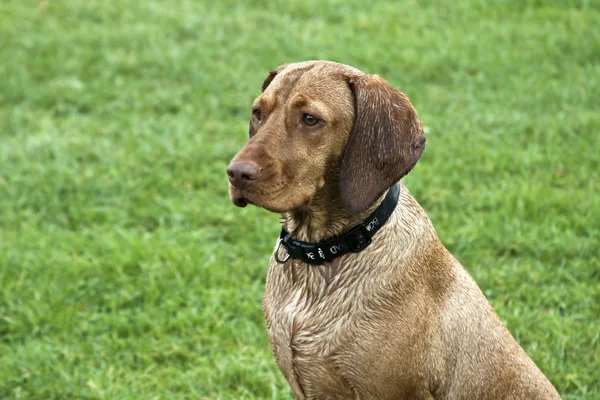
column 240, row 201
column 243, row 197
column 238, row 197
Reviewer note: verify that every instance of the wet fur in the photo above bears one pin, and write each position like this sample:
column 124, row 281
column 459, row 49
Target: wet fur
column 400, row 320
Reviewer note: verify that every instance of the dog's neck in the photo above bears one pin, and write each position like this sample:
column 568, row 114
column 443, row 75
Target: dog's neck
column 323, row 218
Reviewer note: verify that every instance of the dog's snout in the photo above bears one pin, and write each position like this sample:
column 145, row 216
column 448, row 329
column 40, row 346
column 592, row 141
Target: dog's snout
column 242, row 173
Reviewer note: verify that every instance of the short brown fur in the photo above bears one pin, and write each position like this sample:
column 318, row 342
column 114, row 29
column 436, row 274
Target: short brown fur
column 402, row 319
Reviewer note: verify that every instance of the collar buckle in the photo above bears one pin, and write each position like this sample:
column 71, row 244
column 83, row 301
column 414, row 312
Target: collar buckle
column 358, row 238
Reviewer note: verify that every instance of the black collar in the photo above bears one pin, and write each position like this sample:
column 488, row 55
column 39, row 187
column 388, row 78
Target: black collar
column 355, row 240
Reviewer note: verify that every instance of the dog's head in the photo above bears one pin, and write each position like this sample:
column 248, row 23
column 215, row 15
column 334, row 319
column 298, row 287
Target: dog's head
column 324, row 126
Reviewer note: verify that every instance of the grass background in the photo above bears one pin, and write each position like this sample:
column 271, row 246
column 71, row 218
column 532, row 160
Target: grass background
column 125, row 272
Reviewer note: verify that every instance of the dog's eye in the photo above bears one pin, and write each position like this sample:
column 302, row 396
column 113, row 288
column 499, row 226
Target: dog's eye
column 256, row 114
column 310, row 120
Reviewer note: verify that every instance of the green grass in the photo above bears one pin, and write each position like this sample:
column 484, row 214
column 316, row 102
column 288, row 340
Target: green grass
column 126, row 273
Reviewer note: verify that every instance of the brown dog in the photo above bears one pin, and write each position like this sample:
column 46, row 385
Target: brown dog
column 398, row 318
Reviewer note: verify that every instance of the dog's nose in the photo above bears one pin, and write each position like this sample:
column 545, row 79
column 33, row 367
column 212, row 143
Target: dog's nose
column 242, row 173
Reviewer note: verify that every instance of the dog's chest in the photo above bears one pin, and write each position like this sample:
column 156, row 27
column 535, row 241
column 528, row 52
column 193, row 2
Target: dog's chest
column 308, row 320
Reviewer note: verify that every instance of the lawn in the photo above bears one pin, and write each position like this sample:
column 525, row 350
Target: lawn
column 125, row 271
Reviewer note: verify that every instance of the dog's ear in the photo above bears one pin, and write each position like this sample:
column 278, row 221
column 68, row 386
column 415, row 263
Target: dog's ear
column 269, row 79
column 385, row 143
column 266, row 83
column 272, row 76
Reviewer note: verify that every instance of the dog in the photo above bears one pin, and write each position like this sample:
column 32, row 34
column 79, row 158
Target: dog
column 362, row 300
